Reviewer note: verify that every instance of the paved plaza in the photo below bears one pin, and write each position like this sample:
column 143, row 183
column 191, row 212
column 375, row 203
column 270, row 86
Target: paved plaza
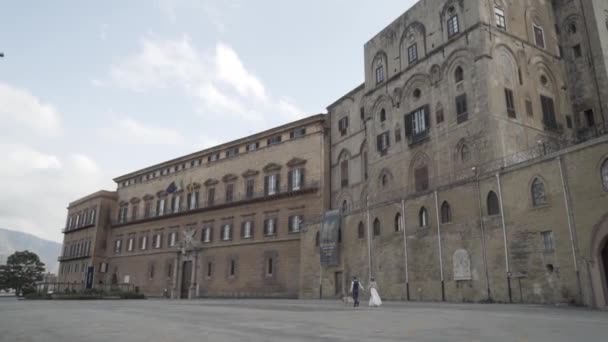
column 286, row 320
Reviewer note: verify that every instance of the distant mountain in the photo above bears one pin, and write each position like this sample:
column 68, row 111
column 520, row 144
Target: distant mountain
column 11, row 241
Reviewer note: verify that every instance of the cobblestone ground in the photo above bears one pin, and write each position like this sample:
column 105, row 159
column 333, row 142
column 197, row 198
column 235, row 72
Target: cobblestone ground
column 285, row 320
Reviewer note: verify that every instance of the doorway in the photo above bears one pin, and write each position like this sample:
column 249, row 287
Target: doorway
column 339, row 290
column 186, row 279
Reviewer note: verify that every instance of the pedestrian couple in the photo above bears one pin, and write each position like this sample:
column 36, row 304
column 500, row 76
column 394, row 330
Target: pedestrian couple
column 356, row 287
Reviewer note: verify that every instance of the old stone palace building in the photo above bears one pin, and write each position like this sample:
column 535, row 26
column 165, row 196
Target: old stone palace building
column 471, row 165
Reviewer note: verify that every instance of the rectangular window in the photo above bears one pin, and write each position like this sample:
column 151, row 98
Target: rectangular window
column 272, row 184
column 143, row 243
column 500, row 18
column 253, row 146
column 269, row 267
column 294, row 223
column 172, row 239
column 160, row 207
column 209, row 269
column 92, row 220
column 175, row 203
column 576, row 49
column 548, row 113
column 462, row 114
column 439, row 115
column 412, row 53
column 453, row 27
column 590, row 118
column 296, row 178
column 210, row 196
column 229, row 192
column 104, row 267
column 548, row 243
column 343, row 126
column 134, row 211
column 383, row 142
column 417, row 124
column 232, row 152
column 227, row 232
column 529, row 108
column 130, row 245
column 269, row 226
column 247, row 229
column 157, row 240
column 298, row 132
column 249, row 187
column 539, row 36
column 568, row 121
column 213, row 157
column 232, row 267
column 274, row 140
column 380, row 74
column 510, row 103
column 207, row 234
column 193, row 200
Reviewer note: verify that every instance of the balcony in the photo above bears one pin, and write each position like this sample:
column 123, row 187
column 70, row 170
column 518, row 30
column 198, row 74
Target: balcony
column 419, row 137
column 73, row 257
column 220, row 203
column 75, row 229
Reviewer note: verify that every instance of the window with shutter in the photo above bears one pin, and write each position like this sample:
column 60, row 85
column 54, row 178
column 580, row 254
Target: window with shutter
column 249, row 185
column 210, row 196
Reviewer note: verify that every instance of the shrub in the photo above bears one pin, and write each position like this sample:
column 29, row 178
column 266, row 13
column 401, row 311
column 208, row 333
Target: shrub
column 36, row 295
column 132, row 295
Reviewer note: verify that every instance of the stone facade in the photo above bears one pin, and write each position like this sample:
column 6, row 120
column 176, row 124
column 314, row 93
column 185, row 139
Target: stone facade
column 252, row 196
column 469, row 166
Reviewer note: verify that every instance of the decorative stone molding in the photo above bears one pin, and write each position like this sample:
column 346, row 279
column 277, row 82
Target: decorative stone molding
column 296, row 162
column 229, row 177
column 211, row 182
column 250, row 173
column 272, row 167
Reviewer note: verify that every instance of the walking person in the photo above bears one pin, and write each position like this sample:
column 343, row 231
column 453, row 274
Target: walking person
column 374, row 297
column 355, row 286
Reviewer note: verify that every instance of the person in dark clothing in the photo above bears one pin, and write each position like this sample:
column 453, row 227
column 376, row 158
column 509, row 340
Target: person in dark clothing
column 355, row 287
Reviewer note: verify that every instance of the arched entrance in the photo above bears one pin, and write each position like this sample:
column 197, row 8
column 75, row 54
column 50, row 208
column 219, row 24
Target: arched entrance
column 598, row 265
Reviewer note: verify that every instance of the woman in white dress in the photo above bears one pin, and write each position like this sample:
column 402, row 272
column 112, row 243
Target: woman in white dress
column 374, row 297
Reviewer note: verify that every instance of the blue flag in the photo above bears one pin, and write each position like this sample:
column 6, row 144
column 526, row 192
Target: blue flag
column 171, row 188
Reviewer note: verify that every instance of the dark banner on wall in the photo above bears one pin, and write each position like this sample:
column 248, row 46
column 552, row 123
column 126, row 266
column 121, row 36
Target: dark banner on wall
column 330, row 251
column 90, row 277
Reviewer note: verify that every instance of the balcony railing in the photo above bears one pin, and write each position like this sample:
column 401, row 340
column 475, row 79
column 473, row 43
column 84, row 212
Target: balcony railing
column 73, row 257
column 240, row 198
column 75, row 229
column 419, row 137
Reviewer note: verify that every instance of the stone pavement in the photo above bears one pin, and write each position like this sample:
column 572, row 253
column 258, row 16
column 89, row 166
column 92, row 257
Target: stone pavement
column 289, row 320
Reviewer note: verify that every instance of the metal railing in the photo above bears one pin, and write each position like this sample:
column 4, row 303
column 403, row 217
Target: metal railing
column 222, row 201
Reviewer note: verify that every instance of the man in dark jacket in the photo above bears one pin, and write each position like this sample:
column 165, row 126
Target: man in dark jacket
column 355, row 286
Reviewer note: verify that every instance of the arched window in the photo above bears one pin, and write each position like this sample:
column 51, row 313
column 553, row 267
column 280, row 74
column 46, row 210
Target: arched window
column 361, row 230
column 382, row 115
column 465, row 153
column 492, row 203
column 423, row 217
column 538, row 193
column 317, row 238
column 458, row 75
column 344, row 173
column 344, row 207
column 384, row 180
column 446, row 213
column 376, row 227
column 398, row 225
column 379, row 69
column 605, row 174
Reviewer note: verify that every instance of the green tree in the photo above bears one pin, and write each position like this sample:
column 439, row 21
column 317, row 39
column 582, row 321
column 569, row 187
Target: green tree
column 22, row 271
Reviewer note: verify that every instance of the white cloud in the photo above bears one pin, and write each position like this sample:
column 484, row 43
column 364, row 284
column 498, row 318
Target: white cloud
column 217, row 79
column 23, row 113
column 37, row 186
column 130, row 131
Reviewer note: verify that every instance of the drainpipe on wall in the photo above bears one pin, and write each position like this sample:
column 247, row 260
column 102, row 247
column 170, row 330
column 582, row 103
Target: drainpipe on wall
column 571, row 227
column 440, row 249
column 369, row 242
column 504, row 233
column 407, row 278
column 483, row 235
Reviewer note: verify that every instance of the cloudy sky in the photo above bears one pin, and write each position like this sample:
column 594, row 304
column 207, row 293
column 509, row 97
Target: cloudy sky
column 90, row 90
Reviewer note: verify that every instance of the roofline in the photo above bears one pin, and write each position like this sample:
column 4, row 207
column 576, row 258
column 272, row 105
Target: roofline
column 100, row 193
column 335, row 103
column 309, row 119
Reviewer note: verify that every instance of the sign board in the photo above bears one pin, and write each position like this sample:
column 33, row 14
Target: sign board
column 329, row 247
